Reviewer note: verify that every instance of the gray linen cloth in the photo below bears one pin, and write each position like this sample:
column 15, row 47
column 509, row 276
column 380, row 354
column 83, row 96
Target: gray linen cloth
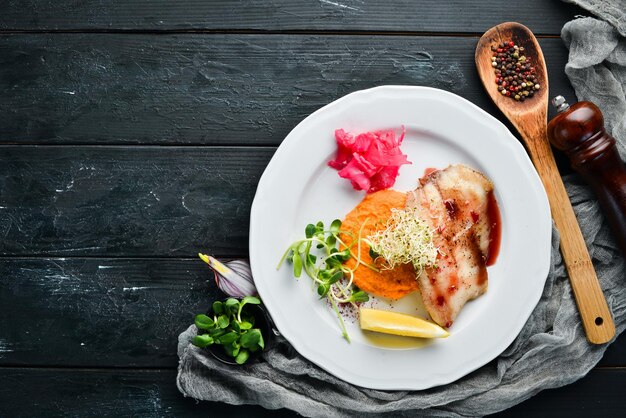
column 550, row 351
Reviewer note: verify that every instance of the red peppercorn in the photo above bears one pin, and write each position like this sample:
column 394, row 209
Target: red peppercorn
column 511, row 43
column 508, row 93
column 504, row 84
column 499, row 50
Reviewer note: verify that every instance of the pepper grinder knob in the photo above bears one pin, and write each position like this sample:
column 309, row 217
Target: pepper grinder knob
column 578, row 130
column 560, row 103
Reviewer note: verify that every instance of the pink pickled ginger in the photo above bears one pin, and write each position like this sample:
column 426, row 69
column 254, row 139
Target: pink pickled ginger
column 371, row 160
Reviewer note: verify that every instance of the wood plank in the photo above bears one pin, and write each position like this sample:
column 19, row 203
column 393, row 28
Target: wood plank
column 107, row 393
column 615, row 355
column 148, row 393
column 99, row 312
column 215, row 89
column 96, row 312
column 127, row 201
column 405, row 15
column 600, row 393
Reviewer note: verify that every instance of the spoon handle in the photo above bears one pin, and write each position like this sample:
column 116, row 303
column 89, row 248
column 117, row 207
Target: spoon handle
column 595, row 314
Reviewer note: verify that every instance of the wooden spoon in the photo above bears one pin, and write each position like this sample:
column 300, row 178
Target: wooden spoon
column 530, row 119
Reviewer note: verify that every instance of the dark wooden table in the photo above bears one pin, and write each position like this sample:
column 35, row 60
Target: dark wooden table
column 133, row 134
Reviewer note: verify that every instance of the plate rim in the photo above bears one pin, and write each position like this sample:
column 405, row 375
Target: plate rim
column 477, row 361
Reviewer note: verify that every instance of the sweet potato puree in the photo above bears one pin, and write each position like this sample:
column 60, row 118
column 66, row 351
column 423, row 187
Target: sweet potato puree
column 376, row 209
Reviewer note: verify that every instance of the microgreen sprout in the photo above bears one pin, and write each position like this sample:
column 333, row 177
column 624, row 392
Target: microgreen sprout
column 405, row 239
column 326, row 266
column 231, row 328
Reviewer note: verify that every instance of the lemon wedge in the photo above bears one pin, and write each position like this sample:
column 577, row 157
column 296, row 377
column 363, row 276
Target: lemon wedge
column 399, row 324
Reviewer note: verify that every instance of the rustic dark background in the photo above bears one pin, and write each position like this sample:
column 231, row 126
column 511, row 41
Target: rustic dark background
column 132, row 136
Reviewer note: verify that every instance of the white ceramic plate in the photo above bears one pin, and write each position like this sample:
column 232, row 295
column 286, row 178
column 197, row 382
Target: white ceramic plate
column 298, row 188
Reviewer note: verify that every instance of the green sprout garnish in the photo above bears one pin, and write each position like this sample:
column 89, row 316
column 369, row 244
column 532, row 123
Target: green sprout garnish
column 320, row 258
column 406, row 239
column 231, row 328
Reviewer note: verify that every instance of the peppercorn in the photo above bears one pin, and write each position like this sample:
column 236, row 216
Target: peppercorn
column 515, row 76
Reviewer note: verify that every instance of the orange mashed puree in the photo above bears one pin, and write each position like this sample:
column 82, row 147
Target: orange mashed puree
column 376, row 209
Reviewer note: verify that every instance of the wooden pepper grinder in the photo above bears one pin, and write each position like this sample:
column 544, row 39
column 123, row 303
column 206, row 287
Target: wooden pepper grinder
column 578, row 130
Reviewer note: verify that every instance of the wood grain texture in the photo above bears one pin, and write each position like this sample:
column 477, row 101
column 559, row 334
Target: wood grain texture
column 598, row 394
column 214, row 89
column 127, row 201
column 530, row 120
column 111, row 312
column 615, row 355
column 153, row 393
column 107, row 393
column 592, row 306
column 99, row 312
column 403, row 15
column 201, row 89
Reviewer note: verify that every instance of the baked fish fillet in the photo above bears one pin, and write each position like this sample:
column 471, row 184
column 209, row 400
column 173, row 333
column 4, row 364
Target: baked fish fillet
column 459, row 205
